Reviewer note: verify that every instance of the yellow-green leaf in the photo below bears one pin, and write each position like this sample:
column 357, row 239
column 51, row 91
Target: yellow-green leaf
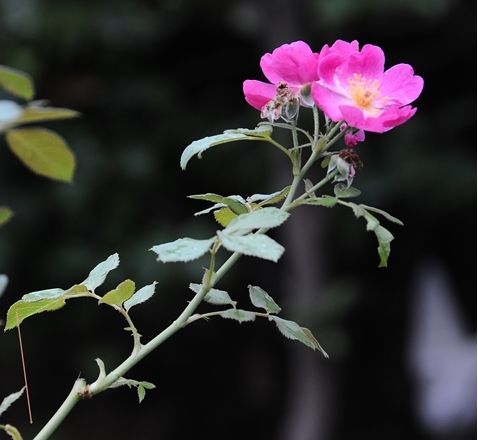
column 224, row 216
column 5, row 215
column 42, row 151
column 119, row 295
column 21, row 310
column 36, row 113
column 17, row 83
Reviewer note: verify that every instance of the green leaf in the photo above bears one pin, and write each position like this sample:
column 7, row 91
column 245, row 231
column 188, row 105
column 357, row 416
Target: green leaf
column 5, row 215
column 21, row 310
column 183, row 249
column 327, row 201
column 214, row 296
column 119, row 295
column 99, row 273
column 141, row 387
column 140, row 296
column 294, row 331
column 341, row 191
column 199, row 146
column 238, row 315
column 224, row 216
column 384, row 238
column 269, row 199
column 43, row 294
column 260, row 298
column 236, row 206
column 36, row 113
column 3, row 283
column 209, row 197
column 43, row 152
column 254, row 245
column 385, row 214
column 12, row 432
column 7, row 401
column 262, row 218
column 17, row 83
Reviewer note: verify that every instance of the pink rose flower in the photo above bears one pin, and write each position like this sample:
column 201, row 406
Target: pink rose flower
column 291, row 69
column 353, row 87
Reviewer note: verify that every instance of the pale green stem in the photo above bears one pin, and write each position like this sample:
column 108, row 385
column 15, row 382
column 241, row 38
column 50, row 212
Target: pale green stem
column 318, row 185
column 316, row 124
column 290, row 127
column 73, row 398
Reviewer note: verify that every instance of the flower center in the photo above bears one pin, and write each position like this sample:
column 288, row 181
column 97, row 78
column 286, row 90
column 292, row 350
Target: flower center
column 365, row 93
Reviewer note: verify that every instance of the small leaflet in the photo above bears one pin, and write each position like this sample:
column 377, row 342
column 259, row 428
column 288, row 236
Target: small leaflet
column 98, row 275
column 21, row 310
column 7, row 401
column 140, row 296
column 183, row 249
column 119, row 295
column 262, row 218
column 294, row 331
column 214, row 296
column 260, row 298
column 253, row 245
column 43, row 294
column 238, row 315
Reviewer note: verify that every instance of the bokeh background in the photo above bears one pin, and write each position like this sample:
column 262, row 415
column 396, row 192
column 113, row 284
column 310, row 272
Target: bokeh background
column 149, row 77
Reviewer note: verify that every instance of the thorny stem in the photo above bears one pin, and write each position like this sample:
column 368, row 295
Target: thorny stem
column 82, row 390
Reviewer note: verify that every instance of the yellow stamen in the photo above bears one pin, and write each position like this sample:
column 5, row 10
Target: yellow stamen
column 365, row 93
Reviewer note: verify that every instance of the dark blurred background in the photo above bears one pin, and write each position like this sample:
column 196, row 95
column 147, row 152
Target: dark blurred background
column 151, row 76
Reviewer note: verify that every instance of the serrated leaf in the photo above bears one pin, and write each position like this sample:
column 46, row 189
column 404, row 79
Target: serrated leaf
column 3, row 283
column 217, row 206
column 12, row 432
column 140, row 296
column 35, row 113
column 43, row 152
column 224, row 216
column 141, row 386
column 5, row 215
column 118, row 296
column 236, row 206
column 294, row 331
column 260, row 298
column 238, row 315
column 269, row 199
column 327, row 201
column 344, row 192
column 16, row 82
column 209, row 197
column 77, row 289
column 183, row 249
column 99, row 273
column 214, row 296
column 385, row 214
column 21, row 310
column 254, row 245
column 262, row 218
column 43, row 294
column 7, row 401
column 201, row 145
